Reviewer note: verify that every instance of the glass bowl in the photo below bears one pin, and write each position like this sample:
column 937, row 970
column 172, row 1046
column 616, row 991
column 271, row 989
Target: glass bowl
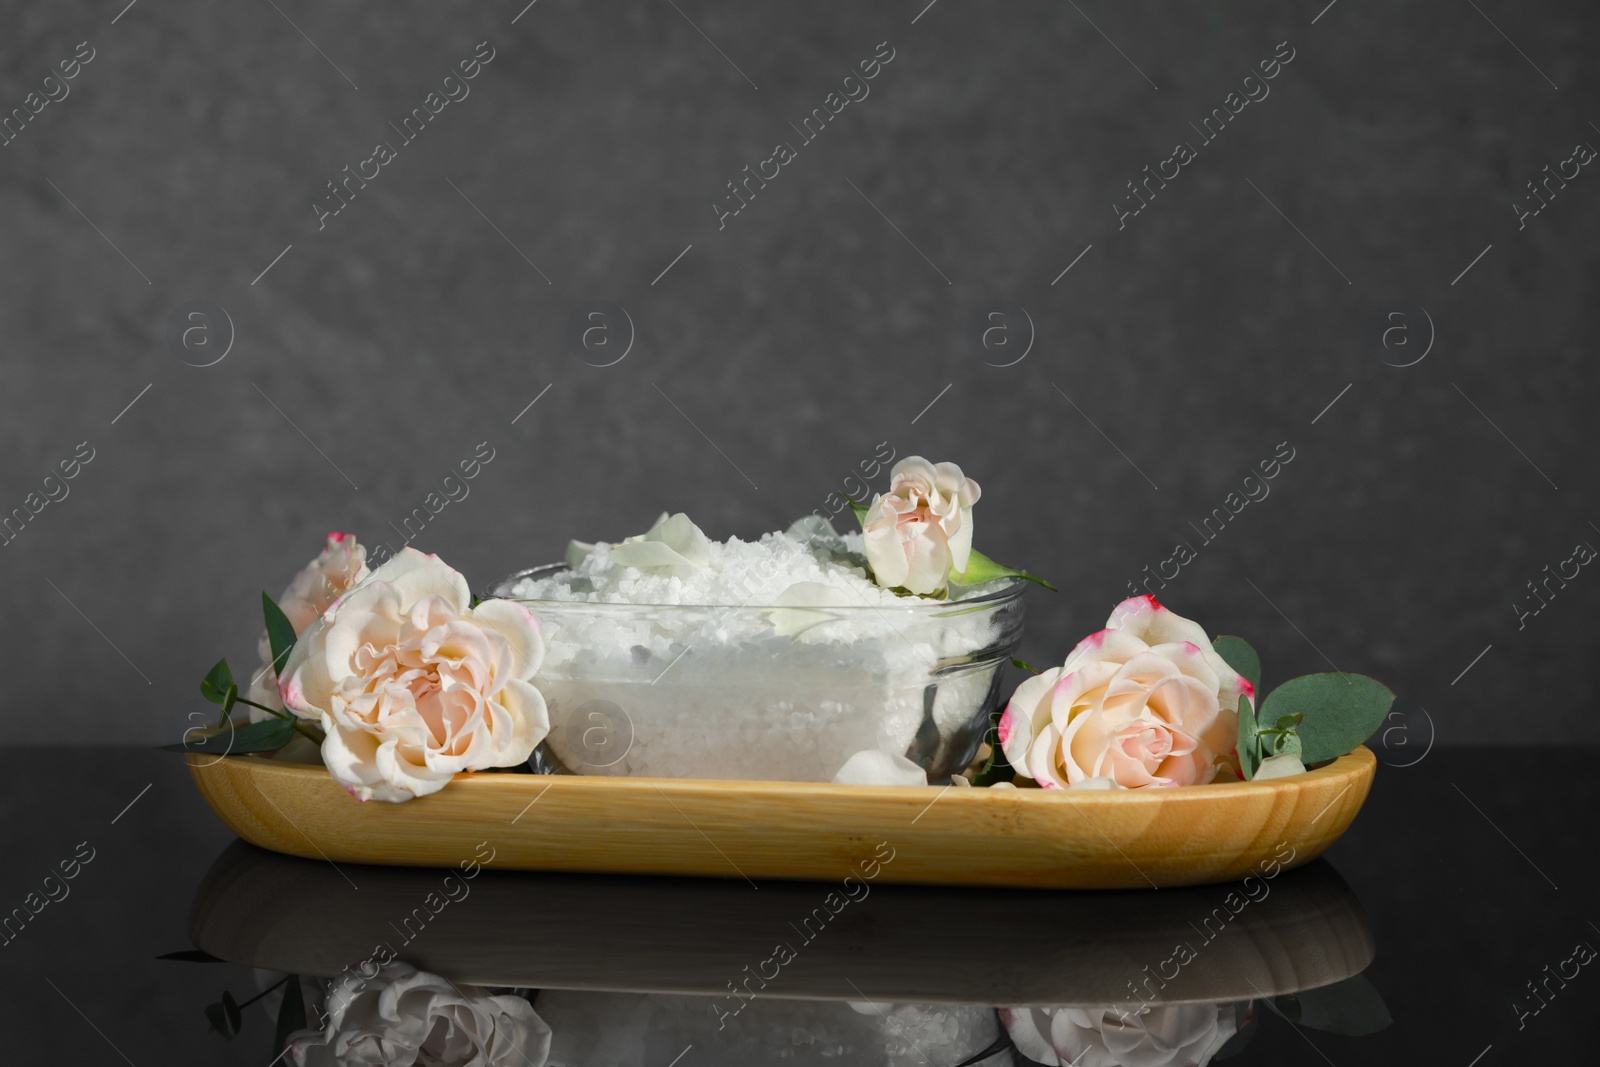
column 771, row 693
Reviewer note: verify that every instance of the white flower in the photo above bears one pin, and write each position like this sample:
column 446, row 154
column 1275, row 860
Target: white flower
column 1146, row 701
column 921, row 529
column 673, row 546
column 341, row 564
column 403, row 1016
column 412, row 684
column 1144, row 1035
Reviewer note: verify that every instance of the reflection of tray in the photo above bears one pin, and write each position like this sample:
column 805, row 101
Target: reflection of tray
column 689, row 936
column 819, row 831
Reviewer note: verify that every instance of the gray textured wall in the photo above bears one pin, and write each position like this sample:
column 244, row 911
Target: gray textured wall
column 1176, row 354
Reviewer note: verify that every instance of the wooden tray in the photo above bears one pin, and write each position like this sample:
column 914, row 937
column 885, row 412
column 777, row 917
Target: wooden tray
column 802, row 830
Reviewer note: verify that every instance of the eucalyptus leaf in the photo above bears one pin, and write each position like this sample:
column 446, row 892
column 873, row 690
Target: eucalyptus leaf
column 1340, row 711
column 1352, row 1008
column 280, row 633
column 1249, row 754
column 218, row 680
column 981, row 568
column 1237, row 653
column 291, row 1014
column 268, row 736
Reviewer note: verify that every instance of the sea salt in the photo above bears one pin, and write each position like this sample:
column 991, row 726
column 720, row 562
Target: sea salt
column 778, row 659
column 740, row 574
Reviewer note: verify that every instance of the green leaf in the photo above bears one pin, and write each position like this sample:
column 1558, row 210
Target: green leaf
column 1249, row 754
column 981, row 568
column 225, row 1016
column 291, row 1015
column 268, row 736
column 1021, row 665
column 858, row 510
column 1340, row 711
column 218, row 680
column 280, row 633
column 1353, row 1008
column 1237, row 653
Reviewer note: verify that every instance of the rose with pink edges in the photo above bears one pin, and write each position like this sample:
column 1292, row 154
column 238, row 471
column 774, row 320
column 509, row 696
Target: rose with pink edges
column 1144, row 702
column 412, row 683
column 341, row 564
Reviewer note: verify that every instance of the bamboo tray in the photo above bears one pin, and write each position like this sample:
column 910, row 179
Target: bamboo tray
column 801, row 830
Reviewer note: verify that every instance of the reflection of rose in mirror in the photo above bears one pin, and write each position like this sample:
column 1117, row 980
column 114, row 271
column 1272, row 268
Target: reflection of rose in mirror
column 403, row 1016
column 1124, row 1035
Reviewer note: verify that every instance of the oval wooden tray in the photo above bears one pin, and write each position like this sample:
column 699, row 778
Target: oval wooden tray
column 803, row 830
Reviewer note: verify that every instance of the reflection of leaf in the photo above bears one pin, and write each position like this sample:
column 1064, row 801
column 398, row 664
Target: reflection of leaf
column 291, row 1015
column 268, row 736
column 1353, row 1008
column 225, row 1016
column 192, row 955
column 1341, row 711
column 1237, row 653
column 280, row 633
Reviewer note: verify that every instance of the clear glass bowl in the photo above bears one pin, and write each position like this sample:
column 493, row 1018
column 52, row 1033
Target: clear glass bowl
column 682, row 691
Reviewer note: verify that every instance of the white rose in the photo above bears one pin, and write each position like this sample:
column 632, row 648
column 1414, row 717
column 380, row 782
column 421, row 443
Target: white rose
column 403, row 1016
column 1146, row 701
column 341, row 564
column 412, row 684
column 1167, row 1035
column 921, row 529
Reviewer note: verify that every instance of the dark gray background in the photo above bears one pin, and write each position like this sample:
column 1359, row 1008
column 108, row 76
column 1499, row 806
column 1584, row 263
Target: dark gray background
column 1196, row 339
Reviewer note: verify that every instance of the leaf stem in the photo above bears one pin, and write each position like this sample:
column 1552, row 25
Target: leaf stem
column 294, row 721
column 265, row 991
